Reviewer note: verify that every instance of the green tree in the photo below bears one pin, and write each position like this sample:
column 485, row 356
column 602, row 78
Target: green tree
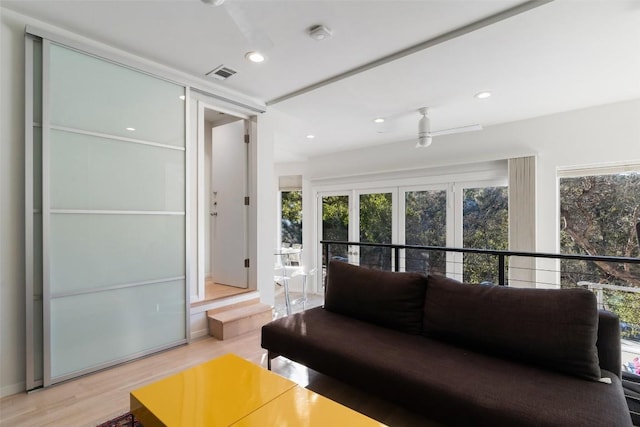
column 335, row 223
column 291, row 217
column 485, row 226
column 598, row 217
column 425, row 225
column 375, row 227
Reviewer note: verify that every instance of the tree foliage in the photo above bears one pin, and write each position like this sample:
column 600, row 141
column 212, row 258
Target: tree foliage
column 291, row 217
column 598, row 217
column 335, row 222
column 425, row 225
column 375, row 227
column 485, row 226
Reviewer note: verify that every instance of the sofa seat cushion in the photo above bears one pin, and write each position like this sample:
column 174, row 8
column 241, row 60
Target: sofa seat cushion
column 446, row 383
column 554, row 328
column 394, row 300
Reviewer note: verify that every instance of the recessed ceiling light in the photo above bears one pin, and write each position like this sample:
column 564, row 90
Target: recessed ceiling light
column 182, row 97
column 130, row 129
column 310, row 136
column 483, row 95
column 378, row 120
column 254, row 56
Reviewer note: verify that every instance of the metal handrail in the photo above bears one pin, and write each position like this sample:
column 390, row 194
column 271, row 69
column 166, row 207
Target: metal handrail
column 501, row 254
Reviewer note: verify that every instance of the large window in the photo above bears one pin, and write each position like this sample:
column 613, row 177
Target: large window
column 473, row 216
column 598, row 216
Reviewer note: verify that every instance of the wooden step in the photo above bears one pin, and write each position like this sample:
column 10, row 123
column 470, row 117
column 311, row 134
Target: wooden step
column 225, row 323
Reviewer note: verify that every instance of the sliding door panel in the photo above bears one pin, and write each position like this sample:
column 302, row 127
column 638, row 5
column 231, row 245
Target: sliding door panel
column 109, row 326
column 97, row 251
column 95, row 95
column 89, row 172
column 113, row 234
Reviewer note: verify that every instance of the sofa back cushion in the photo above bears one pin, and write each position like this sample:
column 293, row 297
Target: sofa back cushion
column 393, row 300
column 554, row 328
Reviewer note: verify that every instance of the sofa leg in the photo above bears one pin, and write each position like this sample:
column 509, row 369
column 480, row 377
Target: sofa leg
column 270, row 356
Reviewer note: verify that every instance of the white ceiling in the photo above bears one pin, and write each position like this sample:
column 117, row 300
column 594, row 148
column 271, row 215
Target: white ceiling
column 564, row 55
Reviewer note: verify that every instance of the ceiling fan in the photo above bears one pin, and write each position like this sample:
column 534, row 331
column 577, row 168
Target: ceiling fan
column 256, row 37
column 425, row 135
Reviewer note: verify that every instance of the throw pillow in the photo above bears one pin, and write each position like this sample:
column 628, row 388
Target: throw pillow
column 393, row 300
column 554, row 328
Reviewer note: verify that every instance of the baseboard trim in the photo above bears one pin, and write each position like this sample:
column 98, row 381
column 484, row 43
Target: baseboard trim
column 10, row 389
column 199, row 333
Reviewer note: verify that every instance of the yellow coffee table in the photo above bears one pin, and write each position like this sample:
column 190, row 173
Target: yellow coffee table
column 232, row 391
column 300, row 407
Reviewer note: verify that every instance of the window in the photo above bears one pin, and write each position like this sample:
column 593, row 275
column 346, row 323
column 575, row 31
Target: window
column 599, row 211
column 485, row 225
column 470, row 214
column 291, row 219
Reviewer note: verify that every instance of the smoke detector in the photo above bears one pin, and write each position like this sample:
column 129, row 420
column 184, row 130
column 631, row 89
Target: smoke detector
column 319, row 32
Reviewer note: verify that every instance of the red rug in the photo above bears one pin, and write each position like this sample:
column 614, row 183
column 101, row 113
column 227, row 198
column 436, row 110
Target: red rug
column 125, row 420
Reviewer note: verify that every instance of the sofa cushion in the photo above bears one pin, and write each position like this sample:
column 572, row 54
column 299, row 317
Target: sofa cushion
column 393, row 300
column 554, row 328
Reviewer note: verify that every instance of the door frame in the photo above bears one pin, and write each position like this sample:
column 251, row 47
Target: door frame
column 202, row 206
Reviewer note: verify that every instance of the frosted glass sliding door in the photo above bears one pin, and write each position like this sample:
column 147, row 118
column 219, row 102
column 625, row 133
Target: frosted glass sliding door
column 113, row 213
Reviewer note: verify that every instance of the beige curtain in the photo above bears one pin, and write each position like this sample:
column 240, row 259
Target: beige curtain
column 522, row 220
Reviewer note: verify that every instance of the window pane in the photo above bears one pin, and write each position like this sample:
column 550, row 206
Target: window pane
column 291, row 217
column 335, row 225
column 425, row 225
column 485, row 225
column 100, row 326
column 375, row 227
column 94, row 251
column 88, row 172
column 598, row 216
column 96, row 95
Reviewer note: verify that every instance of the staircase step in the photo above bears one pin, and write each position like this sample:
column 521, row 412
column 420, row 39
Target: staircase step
column 234, row 321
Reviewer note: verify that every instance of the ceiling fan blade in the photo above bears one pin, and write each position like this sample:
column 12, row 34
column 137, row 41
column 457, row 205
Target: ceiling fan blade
column 255, row 36
column 470, row 128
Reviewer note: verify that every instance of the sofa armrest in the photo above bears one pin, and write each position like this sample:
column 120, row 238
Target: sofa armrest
column 609, row 347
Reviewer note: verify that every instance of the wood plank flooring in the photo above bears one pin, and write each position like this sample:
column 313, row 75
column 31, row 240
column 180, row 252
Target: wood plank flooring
column 98, row 397
column 214, row 291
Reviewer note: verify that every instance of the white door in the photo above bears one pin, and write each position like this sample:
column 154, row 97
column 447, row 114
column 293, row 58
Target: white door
column 227, row 210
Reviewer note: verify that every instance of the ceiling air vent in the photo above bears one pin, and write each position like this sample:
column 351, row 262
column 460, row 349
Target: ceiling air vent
column 221, row 73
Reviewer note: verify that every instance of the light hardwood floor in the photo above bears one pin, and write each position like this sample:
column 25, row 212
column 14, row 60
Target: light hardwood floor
column 98, row 397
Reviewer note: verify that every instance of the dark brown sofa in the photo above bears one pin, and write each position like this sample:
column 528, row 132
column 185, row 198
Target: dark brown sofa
column 462, row 355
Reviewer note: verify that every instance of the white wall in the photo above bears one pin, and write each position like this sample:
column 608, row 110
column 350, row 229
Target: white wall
column 12, row 279
column 262, row 207
column 208, row 148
